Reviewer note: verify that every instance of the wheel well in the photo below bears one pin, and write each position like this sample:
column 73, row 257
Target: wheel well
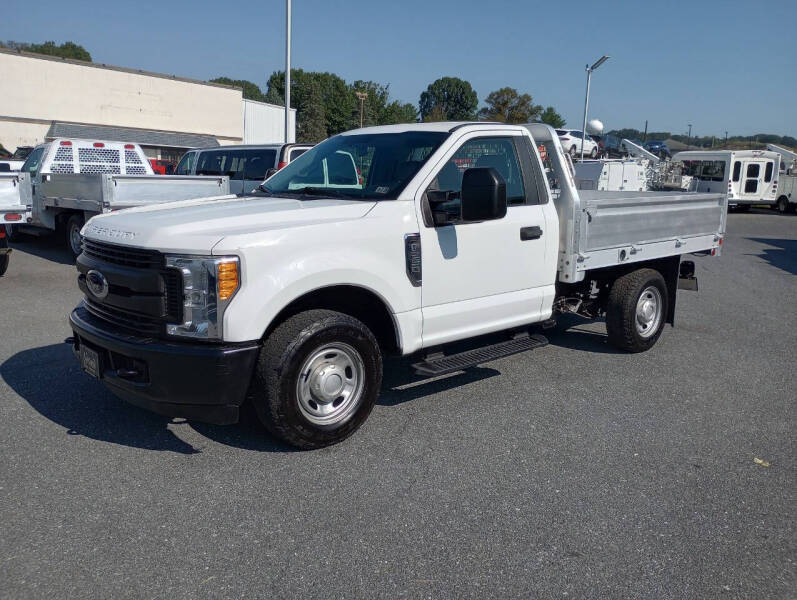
column 360, row 303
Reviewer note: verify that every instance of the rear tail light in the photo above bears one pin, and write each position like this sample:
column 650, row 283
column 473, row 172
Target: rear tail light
column 66, row 143
column 2, row 232
column 129, row 147
column 99, row 145
column 281, row 164
column 13, row 217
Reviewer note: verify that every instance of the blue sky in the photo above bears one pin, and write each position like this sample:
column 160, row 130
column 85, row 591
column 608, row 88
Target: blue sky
column 718, row 65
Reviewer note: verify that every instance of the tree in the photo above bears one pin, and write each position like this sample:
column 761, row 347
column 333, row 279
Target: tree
column 449, row 97
column 396, row 112
column 66, row 50
column 550, row 117
column 251, row 91
column 507, row 106
column 336, row 96
column 311, row 116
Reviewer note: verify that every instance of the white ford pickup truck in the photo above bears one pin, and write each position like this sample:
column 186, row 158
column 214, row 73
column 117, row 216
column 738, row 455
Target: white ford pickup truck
column 396, row 239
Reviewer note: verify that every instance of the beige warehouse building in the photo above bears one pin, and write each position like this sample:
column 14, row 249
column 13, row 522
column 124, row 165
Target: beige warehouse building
column 44, row 97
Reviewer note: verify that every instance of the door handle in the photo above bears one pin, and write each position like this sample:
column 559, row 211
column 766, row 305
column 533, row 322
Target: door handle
column 530, row 233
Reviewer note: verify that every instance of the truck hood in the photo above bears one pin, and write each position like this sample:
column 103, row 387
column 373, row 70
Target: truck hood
column 196, row 226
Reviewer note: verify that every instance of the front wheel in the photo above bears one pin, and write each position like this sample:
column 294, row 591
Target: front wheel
column 636, row 310
column 573, row 151
column 317, row 378
column 74, row 241
column 593, row 153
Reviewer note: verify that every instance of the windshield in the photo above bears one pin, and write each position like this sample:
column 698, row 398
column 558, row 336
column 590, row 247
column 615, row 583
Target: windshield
column 367, row 166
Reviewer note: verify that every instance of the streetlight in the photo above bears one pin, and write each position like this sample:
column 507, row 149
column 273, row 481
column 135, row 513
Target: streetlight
column 362, row 96
column 689, row 136
column 597, row 64
column 287, row 67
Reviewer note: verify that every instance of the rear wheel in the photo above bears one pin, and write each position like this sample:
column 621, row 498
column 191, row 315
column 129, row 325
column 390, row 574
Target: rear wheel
column 593, row 153
column 74, row 240
column 573, row 151
column 783, row 205
column 317, row 378
column 636, row 310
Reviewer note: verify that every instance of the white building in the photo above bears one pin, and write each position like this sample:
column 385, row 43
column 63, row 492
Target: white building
column 44, row 97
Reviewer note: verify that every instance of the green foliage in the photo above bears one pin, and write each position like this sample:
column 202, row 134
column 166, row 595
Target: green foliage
column 66, row 50
column 312, row 127
column 398, row 112
column 338, row 101
column 507, row 106
column 550, row 117
column 377, row 107
column 251, row 91
column 449, row 99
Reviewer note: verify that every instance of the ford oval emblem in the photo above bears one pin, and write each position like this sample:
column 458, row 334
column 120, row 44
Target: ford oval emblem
column 97, row 284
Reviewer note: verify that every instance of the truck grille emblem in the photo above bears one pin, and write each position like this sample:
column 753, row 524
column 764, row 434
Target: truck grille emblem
column 97, row 284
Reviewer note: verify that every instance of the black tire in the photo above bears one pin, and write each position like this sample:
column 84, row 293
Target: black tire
column 593, row 153
column 275, row 385
column 72, row 231
column 783, row 205
column 573, row 151
column 4, row 260
column 621, row 310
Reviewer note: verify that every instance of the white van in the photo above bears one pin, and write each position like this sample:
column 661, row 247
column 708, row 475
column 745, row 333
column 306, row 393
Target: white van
column 748, row 176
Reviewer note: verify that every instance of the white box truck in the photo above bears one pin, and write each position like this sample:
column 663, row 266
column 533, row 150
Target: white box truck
column 394, row 239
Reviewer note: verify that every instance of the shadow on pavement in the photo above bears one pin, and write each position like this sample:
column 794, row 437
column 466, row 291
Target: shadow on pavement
column 568, row 334
column 783, row 255
column 51, row 247
column 49, row 379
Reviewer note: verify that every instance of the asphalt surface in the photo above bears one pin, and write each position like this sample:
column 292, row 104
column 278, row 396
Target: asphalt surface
column 569, row 471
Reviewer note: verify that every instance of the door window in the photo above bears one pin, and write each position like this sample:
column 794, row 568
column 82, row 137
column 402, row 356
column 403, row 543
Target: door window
column 768, row 171
column 296, row 153
column 753, row 170
column 498, row 153
column 187, row 163
column 33, row 162
column 737, row 170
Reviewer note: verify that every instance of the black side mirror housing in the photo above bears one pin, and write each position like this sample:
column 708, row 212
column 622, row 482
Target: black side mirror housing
column 483, row 195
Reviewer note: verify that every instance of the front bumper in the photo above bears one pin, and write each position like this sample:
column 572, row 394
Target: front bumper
column 196, row 381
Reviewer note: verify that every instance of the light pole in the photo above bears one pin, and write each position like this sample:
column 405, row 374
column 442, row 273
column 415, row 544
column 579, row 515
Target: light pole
column 597, row 64
column 362, row 96
column 689, row 136
column 287, row 67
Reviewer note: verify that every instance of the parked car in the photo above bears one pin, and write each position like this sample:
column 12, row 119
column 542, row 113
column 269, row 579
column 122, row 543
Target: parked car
column 658, row 147
column 571, row 143
column 161, row 166
column 612, row 147
column 449, row 234
column 247, row 166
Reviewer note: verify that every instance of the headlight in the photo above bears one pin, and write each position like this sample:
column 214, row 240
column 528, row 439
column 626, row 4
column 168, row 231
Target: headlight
column 209, row 284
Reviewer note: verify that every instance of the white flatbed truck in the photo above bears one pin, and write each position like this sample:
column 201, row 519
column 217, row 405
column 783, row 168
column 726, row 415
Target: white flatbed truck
column 65, row 182
column 291, row 297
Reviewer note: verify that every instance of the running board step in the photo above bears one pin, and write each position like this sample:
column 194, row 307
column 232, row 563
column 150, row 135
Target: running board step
column 442, row 365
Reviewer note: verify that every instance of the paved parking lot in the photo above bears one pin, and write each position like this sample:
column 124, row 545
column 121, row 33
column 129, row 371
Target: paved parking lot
column 570, row 471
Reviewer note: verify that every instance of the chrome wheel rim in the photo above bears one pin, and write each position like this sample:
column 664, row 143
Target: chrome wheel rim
column 330, row 384
column 75, row 239
column 648, row 311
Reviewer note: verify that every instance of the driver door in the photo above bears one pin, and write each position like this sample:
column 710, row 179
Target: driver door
column 490, row 275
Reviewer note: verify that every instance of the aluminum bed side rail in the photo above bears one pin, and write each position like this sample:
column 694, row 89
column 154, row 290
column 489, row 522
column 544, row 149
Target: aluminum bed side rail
column 621, row 227
column 103, row 192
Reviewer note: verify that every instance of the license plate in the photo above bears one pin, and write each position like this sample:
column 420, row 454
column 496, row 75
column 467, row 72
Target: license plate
column 90, row 361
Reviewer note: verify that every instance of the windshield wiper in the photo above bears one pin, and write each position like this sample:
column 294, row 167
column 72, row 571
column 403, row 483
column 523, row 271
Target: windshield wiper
column 331, row 192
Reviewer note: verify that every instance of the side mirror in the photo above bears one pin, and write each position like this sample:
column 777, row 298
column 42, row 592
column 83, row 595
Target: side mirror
column 483, row 195
column 270, row 172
